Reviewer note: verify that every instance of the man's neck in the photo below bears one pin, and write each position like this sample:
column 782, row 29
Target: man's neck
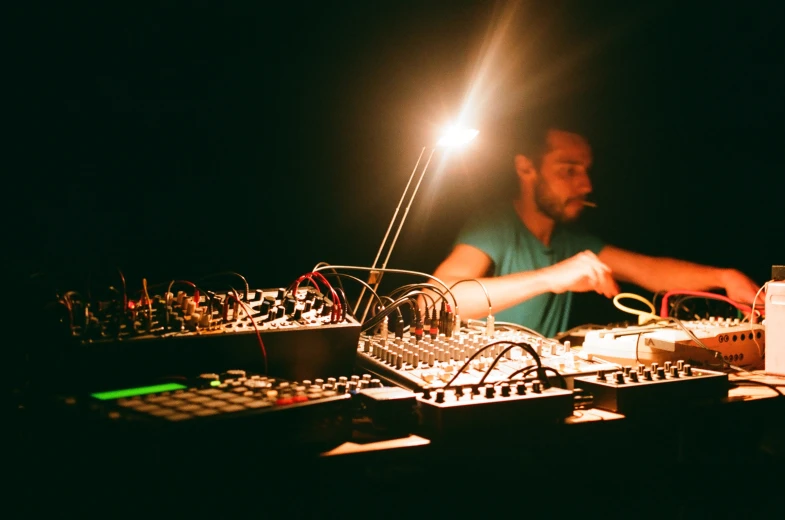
column 540, row 225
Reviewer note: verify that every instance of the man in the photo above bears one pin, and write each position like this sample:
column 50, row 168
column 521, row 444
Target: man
column 531, row 261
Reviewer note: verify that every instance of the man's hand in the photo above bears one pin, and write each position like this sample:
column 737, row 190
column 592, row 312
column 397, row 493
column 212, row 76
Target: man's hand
column 581, row 273
column 741, row 288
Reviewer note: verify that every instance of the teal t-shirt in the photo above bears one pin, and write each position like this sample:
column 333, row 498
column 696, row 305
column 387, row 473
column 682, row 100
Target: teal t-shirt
column 513, row 248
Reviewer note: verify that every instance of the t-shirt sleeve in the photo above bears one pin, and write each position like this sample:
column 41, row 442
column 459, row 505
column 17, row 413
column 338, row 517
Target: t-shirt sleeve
column 485, row 233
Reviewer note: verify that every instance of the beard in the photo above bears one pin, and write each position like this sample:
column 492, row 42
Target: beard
column 549, row 204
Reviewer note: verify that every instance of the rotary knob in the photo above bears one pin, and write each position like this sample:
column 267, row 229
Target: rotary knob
column 208, row 379
column 289, row 305
column 537, row 386
column 235, row 374
column 490, row 391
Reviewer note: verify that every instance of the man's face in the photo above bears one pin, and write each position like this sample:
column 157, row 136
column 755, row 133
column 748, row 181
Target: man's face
column 562, row 183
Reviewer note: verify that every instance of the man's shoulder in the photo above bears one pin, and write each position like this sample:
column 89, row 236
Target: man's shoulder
column 495, row 214
column 489, row 230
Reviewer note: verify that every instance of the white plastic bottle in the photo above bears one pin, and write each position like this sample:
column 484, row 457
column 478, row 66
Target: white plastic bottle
column 775, row 327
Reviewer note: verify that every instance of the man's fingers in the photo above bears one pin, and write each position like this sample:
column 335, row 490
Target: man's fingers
column 594, row 278
column 595, row 261
column 613, row 288
column 607, row 286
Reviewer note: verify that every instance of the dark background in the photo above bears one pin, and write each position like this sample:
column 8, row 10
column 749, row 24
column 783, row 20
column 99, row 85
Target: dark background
column 173, row 140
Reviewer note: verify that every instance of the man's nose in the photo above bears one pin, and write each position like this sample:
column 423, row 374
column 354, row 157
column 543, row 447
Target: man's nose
column 583, row 183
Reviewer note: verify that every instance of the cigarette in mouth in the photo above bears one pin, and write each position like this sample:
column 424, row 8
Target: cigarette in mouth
column 590, row 204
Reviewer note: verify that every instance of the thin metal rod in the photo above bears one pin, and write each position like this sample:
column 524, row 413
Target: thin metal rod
column 389, row 228
column 406, row 212
column 398, row 231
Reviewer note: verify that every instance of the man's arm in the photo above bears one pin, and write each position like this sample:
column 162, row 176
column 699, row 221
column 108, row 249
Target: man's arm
column 663, row 274
column 583, row 272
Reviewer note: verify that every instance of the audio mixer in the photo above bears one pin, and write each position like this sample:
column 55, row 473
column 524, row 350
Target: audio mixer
column 652, row 388
column 291, row 335
column 727, row 340
column 416, row 363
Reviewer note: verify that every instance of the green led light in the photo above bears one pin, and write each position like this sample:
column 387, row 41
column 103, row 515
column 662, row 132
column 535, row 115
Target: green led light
column 142, row 390
column 215, row 383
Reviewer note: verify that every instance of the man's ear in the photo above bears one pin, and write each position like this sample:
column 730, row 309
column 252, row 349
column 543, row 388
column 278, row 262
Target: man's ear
column 523, row 166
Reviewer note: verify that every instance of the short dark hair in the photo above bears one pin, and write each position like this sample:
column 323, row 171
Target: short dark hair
column 526, row 132
column 534, row 142
column 530, row 134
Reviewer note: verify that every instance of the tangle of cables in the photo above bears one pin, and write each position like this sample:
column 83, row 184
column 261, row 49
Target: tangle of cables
column 430, row 306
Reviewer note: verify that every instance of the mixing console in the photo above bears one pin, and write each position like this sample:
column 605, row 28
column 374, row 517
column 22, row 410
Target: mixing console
column 432, row 361
column 645, row 389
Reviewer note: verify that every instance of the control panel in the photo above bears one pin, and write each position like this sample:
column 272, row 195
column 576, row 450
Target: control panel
column 220, row 405
column 492, row 407
column 467, row 409
column 293, row 335
column 432, row 361
column 728, row 340
column 202, row 313
column 647, row 389
column 219, row 399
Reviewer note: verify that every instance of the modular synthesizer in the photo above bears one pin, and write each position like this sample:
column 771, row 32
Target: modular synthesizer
column 295, row 334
